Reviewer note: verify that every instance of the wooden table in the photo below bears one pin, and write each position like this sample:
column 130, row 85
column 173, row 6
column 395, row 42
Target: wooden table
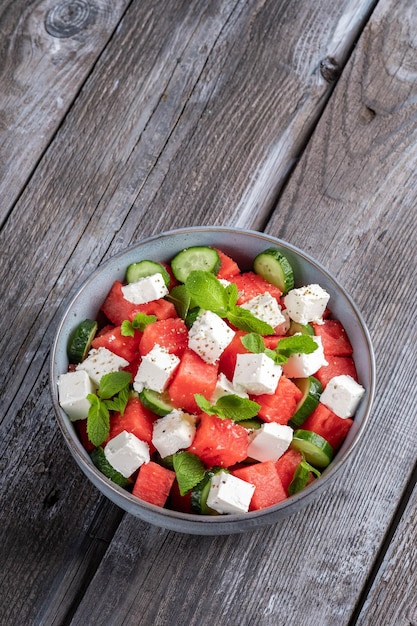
column 120, row 119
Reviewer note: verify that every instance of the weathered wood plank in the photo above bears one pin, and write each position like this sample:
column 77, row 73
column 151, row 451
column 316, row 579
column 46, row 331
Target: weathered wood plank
column 174, row 79
column 47, row 49
column 350, row 203
column 393, row 596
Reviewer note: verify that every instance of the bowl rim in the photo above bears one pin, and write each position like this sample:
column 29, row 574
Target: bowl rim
column 191, row 522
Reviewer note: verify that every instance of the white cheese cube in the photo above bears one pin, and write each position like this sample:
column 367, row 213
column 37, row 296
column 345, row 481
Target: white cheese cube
column 224, row 387
column 306, row 304
column 209, row 336
column 73, row 389
column 256, row 373
column 101, row 361
column 284, row 327
column 229, row 494
column 173, row 432
column 302, row 365
column 155, row 369
column 342, row 395
column 145, row 289
column 266, row 308
column 126, row 453
column 270, row 441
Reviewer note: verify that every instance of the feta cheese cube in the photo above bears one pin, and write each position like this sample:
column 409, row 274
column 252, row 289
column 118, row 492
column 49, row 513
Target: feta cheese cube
column 173, row 432
column 224, row 387
column 256, row 373
column 303, row 365
column 145, row 289
column 270, row 441
column 209, row 336
column 101, row 361
column 284, row 327
column 342, row 395
column 155, row 369
column 266, row 308
column 306, row 304
column 73, row 389
column 229, row 494
column 126, row 453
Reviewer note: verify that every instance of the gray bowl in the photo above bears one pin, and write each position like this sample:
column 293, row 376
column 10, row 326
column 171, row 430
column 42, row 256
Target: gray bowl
column 243, row 246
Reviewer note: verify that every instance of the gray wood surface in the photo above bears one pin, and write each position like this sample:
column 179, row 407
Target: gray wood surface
column 182, row 113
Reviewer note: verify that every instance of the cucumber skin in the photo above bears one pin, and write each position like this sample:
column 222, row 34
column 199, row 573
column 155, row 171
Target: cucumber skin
column 142, row 269
column 80, row 340
column 274, row 267
column 309, row 399
column 315, row 449
column 186, row 261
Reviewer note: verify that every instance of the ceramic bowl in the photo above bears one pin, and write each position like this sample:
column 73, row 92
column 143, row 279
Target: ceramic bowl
column 243, row 246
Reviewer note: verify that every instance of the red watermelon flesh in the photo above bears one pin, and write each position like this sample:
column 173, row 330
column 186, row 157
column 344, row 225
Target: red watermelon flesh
column 268, row 486
column 219, row 442
column 153, row 483
column 334, row 338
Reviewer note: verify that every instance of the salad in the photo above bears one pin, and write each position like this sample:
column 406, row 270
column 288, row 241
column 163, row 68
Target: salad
column 206, row 389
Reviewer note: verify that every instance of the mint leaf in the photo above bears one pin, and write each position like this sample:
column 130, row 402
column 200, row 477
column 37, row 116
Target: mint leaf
column 112, row 383
column 296, row 344
column 119, row 402
column 189, row 470
column 245, row 320
column 236, row 408
column 205, row 405
column 126, row 329
column 141, row 321
column 230, row 406
column 98, row 420
column 232, row 293
column 181, row 299
column 207, row 292
column 253, row 342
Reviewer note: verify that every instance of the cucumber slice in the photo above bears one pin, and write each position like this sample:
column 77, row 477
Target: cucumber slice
column 311, row 389
column 195, row 258
column 141, row 269
column 275, row 268
column 304, row 329
column 156, row 402
column 315, row 448
column 102, row 464
column 200, row 492
column 80, row 340
column 252, row 424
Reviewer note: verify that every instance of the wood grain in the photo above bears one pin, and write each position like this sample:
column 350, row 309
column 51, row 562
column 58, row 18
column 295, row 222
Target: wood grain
column 47, row 50
column 196, row 113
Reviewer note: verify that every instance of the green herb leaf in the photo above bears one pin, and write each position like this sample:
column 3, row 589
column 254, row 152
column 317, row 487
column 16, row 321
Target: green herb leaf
column 119, row 402
column 205, row 405
column 126, row 329
column 230, row 406
column 245, row 320
column 189, row 470
column 232, row 295
column 181, row 299
column 98, row 420
column 207, row 292
column 296, row 344
column 253, row 342
column 112, row 383
column 141, row 321
column 236, row 408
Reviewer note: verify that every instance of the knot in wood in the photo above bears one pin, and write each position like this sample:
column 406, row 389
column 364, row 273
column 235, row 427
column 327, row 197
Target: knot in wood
column 69, row 17
column 329, row 69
